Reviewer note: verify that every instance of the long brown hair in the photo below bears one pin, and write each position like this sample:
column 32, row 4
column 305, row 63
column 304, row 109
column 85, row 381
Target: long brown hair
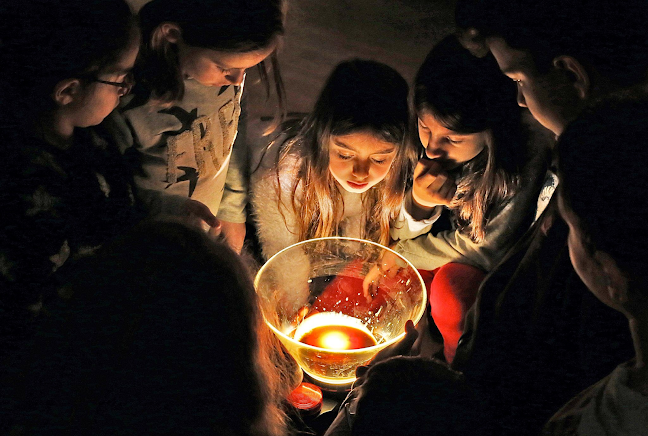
column 469, row 95
column 234, row 26
column 359, row 96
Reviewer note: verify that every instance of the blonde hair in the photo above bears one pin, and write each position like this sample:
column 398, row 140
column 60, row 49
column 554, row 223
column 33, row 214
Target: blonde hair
column 359, row 96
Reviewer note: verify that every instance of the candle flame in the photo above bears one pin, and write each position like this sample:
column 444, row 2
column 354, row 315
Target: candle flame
column 336, row 341
column 334, row 331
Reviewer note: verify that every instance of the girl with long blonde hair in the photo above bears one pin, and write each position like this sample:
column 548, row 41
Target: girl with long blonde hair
column 345, row 171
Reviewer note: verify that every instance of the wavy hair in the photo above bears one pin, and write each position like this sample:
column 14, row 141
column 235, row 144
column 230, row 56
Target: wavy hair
column 233, row 26
column 359, row 96
column 467, row 94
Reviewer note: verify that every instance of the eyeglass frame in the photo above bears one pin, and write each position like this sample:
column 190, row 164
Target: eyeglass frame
column 126, row 86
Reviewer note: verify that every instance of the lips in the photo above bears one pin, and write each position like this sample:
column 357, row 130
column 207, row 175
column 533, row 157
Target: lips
column 357, row 185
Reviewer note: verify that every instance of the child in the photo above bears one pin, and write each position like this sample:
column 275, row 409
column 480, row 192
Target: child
column 482, row 164
column 151, row 350
column 65, row 191
column 183, row 119
column 345, row 172
column 534, row 338
column 603, row 200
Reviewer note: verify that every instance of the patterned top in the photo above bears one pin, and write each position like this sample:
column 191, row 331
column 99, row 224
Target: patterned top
column 57, row 205
column 184, row 151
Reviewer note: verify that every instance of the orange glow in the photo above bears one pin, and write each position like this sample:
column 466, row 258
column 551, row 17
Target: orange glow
column 338, row 337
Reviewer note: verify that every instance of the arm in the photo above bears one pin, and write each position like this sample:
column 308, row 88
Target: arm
column 276, row 223
column 407, row 226
column 509, row 222
column 432, row 188
column 232, row 210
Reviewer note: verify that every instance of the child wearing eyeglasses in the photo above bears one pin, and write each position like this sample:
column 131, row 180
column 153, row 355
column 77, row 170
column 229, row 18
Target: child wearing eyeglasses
column 65, row 189
column 183, row 119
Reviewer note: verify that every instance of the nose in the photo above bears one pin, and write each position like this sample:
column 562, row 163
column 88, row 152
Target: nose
column 235, row 77
column 433, row 152
column 361, row 169
column 520, row 98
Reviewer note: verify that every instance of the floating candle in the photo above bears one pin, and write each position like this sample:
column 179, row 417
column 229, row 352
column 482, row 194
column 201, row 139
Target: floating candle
column 338, row 337
column 334, row 331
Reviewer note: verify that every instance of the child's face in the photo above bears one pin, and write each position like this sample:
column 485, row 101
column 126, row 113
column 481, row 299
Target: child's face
column 218, row 68
column 446, row 146
column 551, row 98
column 96, row 100
column 359, row 161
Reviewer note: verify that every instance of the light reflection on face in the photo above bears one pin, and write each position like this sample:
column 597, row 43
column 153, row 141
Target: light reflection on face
column 446, row 146
column 550, row 97
column 359, row 161
column 218, row 68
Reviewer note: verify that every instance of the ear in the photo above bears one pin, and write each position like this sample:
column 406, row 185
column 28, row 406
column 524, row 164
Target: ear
column 575, row 70
column 171, row 32
column 617, row 280
column 66, row 91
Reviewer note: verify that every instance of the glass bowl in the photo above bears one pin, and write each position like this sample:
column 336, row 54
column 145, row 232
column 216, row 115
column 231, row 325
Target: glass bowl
column 312, row 297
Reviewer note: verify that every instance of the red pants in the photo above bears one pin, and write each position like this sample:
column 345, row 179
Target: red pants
column 452, row 291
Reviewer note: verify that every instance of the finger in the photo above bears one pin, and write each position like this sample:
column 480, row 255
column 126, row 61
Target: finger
column 438, row 183
column 421, row 167
column 201, row 210
column 370, row 282
column 402, row 347
column 392, row 271
column 361, row 370
column 411, row 335
column 427, row 166
column 448, row 190
column 215, row 230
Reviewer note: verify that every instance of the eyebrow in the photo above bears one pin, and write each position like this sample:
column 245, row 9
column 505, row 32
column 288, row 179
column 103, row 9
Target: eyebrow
column 118, row 71
column 447, row 134
column 343, row 145
column 223, row 65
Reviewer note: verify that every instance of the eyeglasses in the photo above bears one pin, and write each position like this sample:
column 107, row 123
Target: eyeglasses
column 124, row 87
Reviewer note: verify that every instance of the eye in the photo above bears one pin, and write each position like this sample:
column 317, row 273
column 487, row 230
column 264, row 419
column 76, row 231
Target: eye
column 453, row 141
column 224, row 70
column 345, row 156
column 379, row 161
column 422, row 126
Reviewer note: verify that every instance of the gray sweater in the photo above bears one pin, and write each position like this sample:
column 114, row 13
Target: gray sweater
column 429, row 251
column 186, row 150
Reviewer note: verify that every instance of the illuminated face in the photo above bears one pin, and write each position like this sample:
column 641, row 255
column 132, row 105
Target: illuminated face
column 218, row 68
column 551, row 98
column 359, row 161
column 446, row 146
